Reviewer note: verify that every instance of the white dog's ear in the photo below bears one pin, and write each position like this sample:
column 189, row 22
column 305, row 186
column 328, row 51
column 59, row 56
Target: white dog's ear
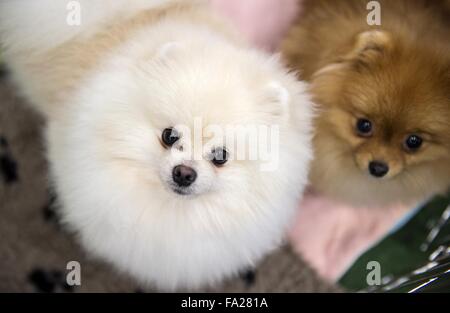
column 168, row 50
column 277, row 98
column 277, row 57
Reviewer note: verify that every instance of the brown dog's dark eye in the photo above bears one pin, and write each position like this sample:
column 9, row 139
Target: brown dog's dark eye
column 364, row 127
column 219, row 156
column 413, row 142
column 170, row 136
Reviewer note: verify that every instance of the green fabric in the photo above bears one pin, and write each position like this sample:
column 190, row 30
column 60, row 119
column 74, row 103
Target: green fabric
column 404, row 250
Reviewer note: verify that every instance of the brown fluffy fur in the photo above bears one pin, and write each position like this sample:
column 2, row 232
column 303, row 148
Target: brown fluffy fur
column 397, row 75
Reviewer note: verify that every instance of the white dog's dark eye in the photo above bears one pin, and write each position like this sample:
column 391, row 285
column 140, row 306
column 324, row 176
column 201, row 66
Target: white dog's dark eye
column 364, row 127
column 219, row 156
column 413, row 142
column 170, row 136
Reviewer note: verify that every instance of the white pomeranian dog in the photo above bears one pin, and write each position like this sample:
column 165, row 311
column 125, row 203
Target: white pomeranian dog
column 127, row 89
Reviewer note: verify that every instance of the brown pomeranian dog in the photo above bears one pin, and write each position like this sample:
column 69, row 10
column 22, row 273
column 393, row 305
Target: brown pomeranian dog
column 383, row 125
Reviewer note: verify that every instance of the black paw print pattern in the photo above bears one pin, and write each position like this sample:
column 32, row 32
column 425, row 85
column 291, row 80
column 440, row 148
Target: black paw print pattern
column 50, row 210
column 49, row 281
column 248, row 277
column 3, row 70
column 8, row 166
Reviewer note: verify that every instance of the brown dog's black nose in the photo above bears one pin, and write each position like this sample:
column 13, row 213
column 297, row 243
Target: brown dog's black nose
column 183, row 175
column 378, row 169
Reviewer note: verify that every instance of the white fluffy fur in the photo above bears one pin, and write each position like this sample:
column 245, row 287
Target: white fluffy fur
column 111, row 171
column 42, row 24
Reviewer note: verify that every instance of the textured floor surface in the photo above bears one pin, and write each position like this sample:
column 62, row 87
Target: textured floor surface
column 34, row 248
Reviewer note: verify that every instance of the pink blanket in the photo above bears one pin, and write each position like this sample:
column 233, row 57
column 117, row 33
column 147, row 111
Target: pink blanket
column 263, row 22
column 330, row 236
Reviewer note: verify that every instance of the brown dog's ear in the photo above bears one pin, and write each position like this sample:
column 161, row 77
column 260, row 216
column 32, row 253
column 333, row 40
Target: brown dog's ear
column 369, row 46
column 366, row 49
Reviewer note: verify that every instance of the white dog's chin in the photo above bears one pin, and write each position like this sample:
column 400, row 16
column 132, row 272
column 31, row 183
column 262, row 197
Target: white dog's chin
column 183, row 191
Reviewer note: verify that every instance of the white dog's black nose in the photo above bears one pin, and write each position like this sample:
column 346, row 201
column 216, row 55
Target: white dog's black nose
column 378, row 169
column 183, row 175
